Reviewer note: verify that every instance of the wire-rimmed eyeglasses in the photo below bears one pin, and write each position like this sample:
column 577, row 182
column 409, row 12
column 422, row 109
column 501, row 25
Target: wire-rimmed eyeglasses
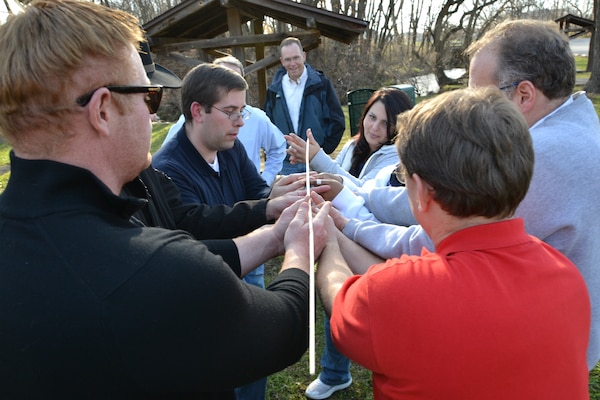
column 152, row 97
column 400, row 174
column 511, row 86
column 234, row 116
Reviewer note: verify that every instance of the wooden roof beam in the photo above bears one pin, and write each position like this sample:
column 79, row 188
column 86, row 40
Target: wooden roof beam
column 273, row 39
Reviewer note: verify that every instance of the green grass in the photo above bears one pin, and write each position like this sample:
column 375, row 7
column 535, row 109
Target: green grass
column 291, row 383
column 4, row 165
column 581, row 66
column 159, row 132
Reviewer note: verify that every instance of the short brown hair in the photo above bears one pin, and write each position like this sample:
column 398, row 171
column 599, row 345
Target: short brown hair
column 289, row 41
column 207, row 84
column 473, row 147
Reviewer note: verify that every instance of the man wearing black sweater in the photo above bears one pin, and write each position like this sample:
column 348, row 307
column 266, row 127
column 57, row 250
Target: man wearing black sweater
column 93, row 305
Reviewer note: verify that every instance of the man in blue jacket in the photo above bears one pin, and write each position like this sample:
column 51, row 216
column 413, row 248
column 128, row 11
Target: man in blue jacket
column 207, row 162
column 300, row 98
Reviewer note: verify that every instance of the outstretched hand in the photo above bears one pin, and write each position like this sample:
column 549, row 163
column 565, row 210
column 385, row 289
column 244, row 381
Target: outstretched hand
column 276, row 205
column 334, row 182
column 289, row 183
column 297, row 147
column 296, row 237
column 338, row 219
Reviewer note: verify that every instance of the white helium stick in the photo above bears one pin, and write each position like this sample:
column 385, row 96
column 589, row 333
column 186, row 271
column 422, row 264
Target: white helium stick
column 311, row 275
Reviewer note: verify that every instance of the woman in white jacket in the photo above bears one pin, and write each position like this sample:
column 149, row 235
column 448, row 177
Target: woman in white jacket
column 369, row 150
column 361, row 158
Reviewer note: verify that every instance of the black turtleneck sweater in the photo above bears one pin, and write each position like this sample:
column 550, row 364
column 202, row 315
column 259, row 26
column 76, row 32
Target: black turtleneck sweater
column 95, row 306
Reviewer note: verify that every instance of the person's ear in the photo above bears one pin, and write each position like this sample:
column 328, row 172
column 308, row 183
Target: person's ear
column 524, row 96
column 423, row 192
column 100, row 111
column 198, row 111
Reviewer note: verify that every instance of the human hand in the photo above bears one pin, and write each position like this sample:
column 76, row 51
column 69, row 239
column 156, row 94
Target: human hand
column 276, row 205
column 296, row 183
column 297, row 147
column 282, row 224
column 334, row 182
column 288, row 183
column 296, row 239
column 338, row 219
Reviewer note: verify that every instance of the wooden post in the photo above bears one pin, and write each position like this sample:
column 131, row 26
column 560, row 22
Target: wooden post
column 261, row 74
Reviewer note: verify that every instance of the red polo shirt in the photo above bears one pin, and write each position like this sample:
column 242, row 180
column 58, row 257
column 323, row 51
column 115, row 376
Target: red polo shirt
column 493, row 314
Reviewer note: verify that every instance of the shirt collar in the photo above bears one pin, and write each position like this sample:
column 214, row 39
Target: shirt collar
column 493, row 235
column 54, row 187
column 300, row 80
column 566, row 103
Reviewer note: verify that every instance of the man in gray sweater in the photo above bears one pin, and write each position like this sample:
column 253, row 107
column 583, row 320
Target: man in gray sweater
column 531, row 62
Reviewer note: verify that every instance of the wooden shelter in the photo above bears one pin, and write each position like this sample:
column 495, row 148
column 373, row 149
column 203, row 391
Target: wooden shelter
column 213, row 25
column 574, row 26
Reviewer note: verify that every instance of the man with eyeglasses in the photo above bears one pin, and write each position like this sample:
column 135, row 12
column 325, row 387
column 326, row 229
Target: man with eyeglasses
column 205, row 159
column 532, row 63
column 93, row 305
column 166, row 210
column 258, row 134
column 231, row 187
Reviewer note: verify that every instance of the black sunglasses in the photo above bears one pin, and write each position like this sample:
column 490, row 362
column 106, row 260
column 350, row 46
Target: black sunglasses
column 152, row 98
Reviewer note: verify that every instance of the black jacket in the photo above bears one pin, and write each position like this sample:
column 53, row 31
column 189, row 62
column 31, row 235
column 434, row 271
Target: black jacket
column 320, row 110
column 93, row 306
column 165, row 209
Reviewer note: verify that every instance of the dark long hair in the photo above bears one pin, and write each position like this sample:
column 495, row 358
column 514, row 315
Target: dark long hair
column 395, row 102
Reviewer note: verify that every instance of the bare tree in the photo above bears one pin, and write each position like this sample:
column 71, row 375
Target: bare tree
column 451, row 29
column 593, row 85
column 404, row 38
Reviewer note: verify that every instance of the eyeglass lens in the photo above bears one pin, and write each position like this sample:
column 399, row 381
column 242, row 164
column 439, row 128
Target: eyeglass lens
column 152, row 98
column 399, row 174
column 234, row 116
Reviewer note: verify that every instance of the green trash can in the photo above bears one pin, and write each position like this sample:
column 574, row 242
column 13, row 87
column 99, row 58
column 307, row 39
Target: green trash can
column 356, row 103
column 409, row 90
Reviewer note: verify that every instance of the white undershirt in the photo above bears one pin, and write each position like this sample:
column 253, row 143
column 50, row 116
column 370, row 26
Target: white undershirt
column 215, row 165
column 293, row 90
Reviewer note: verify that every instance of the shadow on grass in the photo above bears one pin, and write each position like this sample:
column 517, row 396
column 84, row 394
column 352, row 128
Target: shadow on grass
column 291, row 383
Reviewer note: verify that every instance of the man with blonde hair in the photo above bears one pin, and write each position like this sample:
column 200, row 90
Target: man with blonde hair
column 91, row 304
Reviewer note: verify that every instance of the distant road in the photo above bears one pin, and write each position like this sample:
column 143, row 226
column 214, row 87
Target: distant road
column 427, row 84
column 580, row 47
